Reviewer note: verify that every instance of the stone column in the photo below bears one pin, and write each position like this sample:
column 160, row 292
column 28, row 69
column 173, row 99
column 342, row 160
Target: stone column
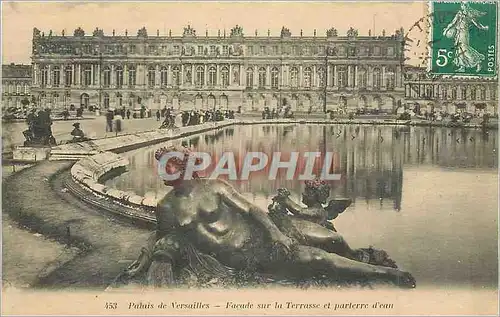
column 73, row 71
column 205, row 74
column 92, row 74
column 301, row 76
column 49, row 76
column 268, row 76
column 217, row 75
column 369, row 76
column 355, row 76
column 383, row 77
column 169, row 75
column 157, row 76
column 242, row 75
column 335, row 76
column 255, row 77
column 349, row 76
column 192, row 74
column 314, row 79
column 62, row 72
column 125, row 75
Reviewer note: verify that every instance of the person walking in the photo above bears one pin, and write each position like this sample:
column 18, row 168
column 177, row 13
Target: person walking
column 128, row 113
column 158, row 115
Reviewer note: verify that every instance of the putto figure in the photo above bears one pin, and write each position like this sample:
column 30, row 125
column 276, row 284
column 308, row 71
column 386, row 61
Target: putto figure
column 458, row 30
column 206, row 228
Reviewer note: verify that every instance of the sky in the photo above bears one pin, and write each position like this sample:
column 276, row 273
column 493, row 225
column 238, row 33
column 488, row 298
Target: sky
column 19, row 18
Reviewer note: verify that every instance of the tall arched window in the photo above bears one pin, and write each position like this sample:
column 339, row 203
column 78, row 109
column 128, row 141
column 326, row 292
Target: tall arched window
column 119, row 99
column 454, row 93
column 68, row 76
column 151, row 76
column 44, row 74
column 377, row 78
column 176, row 78
column 362, row 78
column 390, row 78
column 249, row 77
column 106, row 101
column 106, row 77
column 56, row 76
column 274, row 78
column 294, row 77
column 342, row 76
column 321, row 77
column 482, row 92
column 200, row 76
column 87, row 75
column 212, row 76
column 307, row 77
column 119, row 77
column 132, row 76
column 473, row 94
column 262, row 77
column 163, row 76
column 463, row 92
column 225, row 76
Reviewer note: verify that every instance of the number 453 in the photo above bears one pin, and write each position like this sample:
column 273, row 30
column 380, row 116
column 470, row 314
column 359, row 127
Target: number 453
column 442, row 57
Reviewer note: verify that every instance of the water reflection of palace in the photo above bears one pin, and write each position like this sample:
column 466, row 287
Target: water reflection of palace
column 369, row 158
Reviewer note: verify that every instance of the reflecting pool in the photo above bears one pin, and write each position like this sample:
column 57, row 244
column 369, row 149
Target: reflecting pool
column 428, row 196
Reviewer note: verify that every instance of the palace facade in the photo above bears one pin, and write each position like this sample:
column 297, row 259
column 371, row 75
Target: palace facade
column 228, row 72
column 466, row 94
column 16, row 83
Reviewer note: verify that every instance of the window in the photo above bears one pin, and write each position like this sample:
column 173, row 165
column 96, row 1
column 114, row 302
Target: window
column 212, row 49
column 351, row 51
column 119, row 77
column 152, row 49
column 87, row 75
column 106, row 101
column 212, row 76
column 294, row 77
column 463, row 91
column 132, row 49
column 473, row 94
column 200, row 49
column 275, row 50
column 200, row 75
column 249, row 77
column 274, row 78
column 56, row 73
column 444, row 92
column 250, row 50
column 262, row 50
column 390, row 51
column 262, row 77
column 225, row 76
column 119, row 98
column 321, row 50
column 131, row 76
column 307, row 50
column 454, row 93
column 44, row 76
column 107, row 77
column 376, row 51
column 68, row 76
column 119, row 49
column 18, row 88
column 390, row 79
column 225, row 50
column 362, row 80
column 377, row 78
column 177, row 49
column 307, row 77
column 342, row 77
column 482, row 92
column 151, row 76
column 321, row 77
column 163, row 76
column 26, row 87
column 176, row 78
column 293, row 50
column 493, row 93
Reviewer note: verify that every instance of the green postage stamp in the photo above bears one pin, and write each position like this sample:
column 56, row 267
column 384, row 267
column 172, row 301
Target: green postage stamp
column 464, row 38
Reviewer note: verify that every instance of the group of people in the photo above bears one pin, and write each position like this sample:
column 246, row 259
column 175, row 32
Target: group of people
column 193, row 117
column 275, row 114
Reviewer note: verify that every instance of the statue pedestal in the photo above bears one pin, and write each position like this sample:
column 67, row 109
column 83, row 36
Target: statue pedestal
column 31, row 154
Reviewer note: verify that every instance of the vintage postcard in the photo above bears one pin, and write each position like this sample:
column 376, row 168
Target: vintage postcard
column 250, row 158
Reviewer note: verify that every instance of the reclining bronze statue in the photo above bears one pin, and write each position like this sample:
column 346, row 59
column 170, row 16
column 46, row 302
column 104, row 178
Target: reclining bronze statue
column 208, row 233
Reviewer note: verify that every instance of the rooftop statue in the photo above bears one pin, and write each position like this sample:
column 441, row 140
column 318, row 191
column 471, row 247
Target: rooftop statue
column 285, row 32
column 98, row 32
column 36, row 32
column 79, row 32
column 142, row 32
column 237, row 31
column 189, row 31
column 352, row 32
column 207, row 231
column 331, row 32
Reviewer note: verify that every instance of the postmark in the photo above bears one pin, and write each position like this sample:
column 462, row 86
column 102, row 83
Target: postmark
column 463, row 39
